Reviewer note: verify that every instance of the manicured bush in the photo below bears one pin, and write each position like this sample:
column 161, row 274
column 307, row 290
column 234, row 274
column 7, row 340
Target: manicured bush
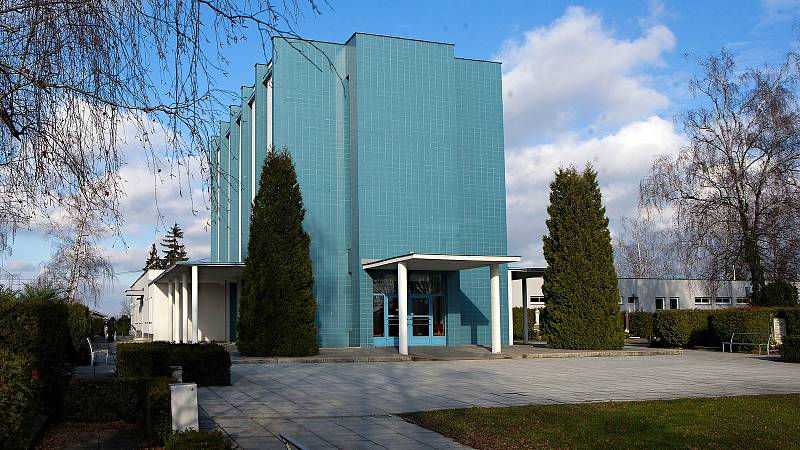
column 790, row 350
column 580, row 282
column 18, row 397
column 683, row 328
column 277, row 308
column 725, row 322
column 517, row 315
column 158, row 417
column 123, row 326
column 106, row 399
column 37, row 327
column 640, row 324
column 144, row 360
column 792, row 316
column 777, row 293
column 79, row 321
column 204, row 364
column 187, row 440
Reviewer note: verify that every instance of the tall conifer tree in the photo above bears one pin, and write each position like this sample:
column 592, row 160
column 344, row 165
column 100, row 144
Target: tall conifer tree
column 172, row 246
column 580, row 283
column 153, row 261
column 277, row 308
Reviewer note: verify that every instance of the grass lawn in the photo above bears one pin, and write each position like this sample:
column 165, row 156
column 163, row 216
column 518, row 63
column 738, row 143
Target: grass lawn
column 769, row 421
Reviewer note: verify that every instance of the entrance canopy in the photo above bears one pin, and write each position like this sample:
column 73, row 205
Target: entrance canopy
column 443, row 262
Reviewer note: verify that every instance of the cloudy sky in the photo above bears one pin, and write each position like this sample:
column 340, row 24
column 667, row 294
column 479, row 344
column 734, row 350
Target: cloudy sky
column 597, row 82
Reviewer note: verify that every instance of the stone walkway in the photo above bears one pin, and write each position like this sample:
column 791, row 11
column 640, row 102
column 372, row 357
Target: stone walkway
column 353, row 405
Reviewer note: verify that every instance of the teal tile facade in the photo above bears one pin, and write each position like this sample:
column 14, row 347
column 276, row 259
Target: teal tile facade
column 398, row 147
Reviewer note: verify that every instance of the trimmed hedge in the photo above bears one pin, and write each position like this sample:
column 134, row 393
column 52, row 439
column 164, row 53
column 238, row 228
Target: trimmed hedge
column 641, row 324
column 683, row 327
column 193, row 439
column 792, row 316
column 37, row 327
column 79, row 321
column 517, row 315
column 18, row 395
column 204, row 364
column 725, row 322
column 791, row 349
column 110, row 399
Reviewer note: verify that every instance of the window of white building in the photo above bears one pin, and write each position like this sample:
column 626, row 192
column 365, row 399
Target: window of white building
column 702, row 300
column 673, row 303
column 723, row 300
column 742, row 300
column 659, row 302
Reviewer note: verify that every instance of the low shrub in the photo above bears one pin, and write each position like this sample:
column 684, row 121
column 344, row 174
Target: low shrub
column 517, row 314
column 158, row 418
column 36, row 326
column 98, row 326
column 725, row 322
column 123, row 326
column 792, row 316
column 79, row 321
column 777, row 293
column 193, row 439
column 204, row 364
column 790, row 350
column 18, row 396
column 105, row 399
column 640, row 324
column 683, row 328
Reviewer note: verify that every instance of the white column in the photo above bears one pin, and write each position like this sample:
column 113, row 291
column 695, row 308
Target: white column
column 171, row 299
column 524, row 310
column 510, row 310
column 195, row 285
column 176, row 337
column 185, row 310
column 402, row 299
column 494, row 282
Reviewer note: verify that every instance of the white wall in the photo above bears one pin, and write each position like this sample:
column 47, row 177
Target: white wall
column 212, row 316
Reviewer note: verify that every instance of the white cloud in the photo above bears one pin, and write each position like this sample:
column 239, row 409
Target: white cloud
column 621, row 159
column 776, row 11
column 575, row 72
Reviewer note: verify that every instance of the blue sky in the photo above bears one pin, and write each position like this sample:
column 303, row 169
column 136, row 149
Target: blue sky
column 583, row 82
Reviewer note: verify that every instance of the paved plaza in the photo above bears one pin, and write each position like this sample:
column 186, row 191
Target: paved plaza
column 353, row 405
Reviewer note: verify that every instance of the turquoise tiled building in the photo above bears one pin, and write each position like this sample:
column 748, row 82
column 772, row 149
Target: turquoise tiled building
column 398, row 146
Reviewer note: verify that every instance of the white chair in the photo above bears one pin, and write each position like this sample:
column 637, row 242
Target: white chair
column 96, row 352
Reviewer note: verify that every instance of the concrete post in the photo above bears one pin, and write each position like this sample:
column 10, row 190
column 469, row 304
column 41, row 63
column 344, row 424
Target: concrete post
column 494, row 283
column 524, row 310
column 195, row 285
column 171, row 299
column 177, row 296
column 510, row 309
column 185, row 312
column 402, row 299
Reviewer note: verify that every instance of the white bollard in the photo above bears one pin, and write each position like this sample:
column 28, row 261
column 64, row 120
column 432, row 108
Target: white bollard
column 183, row 406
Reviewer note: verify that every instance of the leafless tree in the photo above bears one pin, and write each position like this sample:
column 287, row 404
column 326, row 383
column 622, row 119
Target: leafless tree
column 646, row 248
column 72, row 71
column 734, row 188
column 78, row 268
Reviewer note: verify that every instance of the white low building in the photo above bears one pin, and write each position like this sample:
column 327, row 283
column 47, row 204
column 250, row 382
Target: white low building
column 643, row 294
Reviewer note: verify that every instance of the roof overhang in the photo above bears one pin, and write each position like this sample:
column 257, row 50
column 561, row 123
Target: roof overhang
column 439, row 262
column 209, row 272
column 520, row 273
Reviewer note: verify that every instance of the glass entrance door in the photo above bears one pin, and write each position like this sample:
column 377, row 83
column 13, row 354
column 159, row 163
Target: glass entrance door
column 427, row 310
column 419, row 319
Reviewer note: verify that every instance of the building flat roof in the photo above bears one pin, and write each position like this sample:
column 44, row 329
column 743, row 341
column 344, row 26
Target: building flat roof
column 444, row 262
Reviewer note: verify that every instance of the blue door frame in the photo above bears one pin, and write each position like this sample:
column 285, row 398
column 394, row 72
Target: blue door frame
column 420, row 320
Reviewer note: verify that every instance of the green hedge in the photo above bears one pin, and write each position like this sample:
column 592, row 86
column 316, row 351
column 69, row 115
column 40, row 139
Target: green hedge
column 683, row 328
column 79, row 321
column 18, row 397
column 158, row 418
column 204, row 364
column 792, row 316
column 640, row 324
column 791, row 349
column 193, row 439
column 37, row 327
column 123, row 326
column 517, row 315
column 98, row 327
column 725, row 322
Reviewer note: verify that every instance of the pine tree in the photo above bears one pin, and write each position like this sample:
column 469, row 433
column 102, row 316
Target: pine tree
column 580, row 283
column 277, row 307
column 153, row 261
column 172, row 247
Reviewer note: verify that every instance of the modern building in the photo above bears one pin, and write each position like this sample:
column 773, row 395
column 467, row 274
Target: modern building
column 643, row 294
column 398, row 147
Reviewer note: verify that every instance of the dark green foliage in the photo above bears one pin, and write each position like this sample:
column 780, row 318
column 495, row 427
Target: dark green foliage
column 105, row 399
column 157, row 402
column 98, row 326
column 640, row 324
column 777, row 293
column 204, row 364
column 123, row 326
column 190, row 440
column 18, row 397
column 172, row 247
column 792, row 316
column 580, row 282
column 517, row 314
column 7, row 294
column 790, row 350
column 684, row 328
column 80, row 328
column 277, row 307
column 725, row 322
column 153, row 261
column 37, row 327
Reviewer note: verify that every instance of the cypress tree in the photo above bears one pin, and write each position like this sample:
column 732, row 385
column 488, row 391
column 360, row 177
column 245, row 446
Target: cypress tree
column 173, row 249
column 153, row 261
column 580, row 283
column 277, row 307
